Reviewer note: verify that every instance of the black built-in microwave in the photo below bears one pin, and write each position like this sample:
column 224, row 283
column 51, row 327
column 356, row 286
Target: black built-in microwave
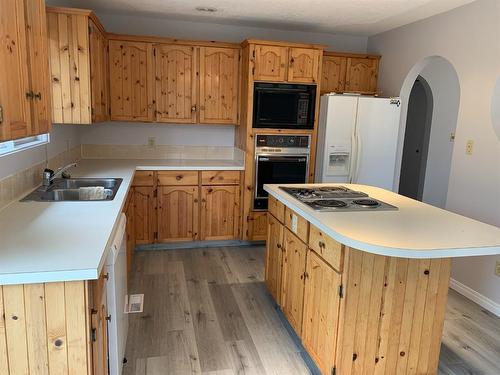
column 283, row 106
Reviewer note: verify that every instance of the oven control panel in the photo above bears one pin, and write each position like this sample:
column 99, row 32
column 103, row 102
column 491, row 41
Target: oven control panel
column 282, row 141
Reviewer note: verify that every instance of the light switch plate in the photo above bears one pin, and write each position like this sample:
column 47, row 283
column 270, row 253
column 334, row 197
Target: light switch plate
column 469, row 147
column 294, row 223
column 497, row 268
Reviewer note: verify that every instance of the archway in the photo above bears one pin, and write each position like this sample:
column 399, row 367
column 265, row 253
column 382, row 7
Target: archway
column 442, row 79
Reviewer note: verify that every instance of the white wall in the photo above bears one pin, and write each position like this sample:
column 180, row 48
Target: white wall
column 62, row 138
column 468, row 37
column 445, row 87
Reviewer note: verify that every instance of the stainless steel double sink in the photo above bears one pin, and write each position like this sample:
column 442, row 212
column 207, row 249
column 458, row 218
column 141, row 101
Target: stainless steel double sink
column 76, row 189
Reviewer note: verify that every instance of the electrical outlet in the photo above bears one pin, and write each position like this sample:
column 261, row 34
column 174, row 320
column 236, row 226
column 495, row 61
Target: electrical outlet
column 151, row 141
column 497, row 268
column 469, row 147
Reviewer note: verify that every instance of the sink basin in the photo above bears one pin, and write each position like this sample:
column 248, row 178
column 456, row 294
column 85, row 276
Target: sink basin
column 73, row 189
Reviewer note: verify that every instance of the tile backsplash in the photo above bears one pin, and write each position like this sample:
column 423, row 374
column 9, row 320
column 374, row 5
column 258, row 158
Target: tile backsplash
column 17, row 185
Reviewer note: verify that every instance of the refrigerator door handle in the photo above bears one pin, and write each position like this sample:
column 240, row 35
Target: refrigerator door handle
column 352, row 161
column 358, row 157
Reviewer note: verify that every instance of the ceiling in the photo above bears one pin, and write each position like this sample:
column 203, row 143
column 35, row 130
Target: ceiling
column 357, row 17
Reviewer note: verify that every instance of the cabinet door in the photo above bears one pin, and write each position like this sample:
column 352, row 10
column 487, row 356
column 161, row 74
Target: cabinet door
column 274, row 257
column 362, row 74
column 333, row 74
column 321, row 312
column 131, row 89
column 175, row 83
column 220, row 212
column 99, row 80
column 144, row 214
column 15, row 117
column 38, row 63
column 219, row 77
column 270, row 63
column 303, row 65
column 99, row 335
column 177, row 213
column 292, row 290
column 69, row 68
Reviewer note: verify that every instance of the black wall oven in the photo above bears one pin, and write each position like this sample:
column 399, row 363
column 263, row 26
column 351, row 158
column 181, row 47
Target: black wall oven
column 279, row 159
column 283, row 106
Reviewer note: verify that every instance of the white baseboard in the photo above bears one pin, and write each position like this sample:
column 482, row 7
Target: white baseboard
column 471, row 294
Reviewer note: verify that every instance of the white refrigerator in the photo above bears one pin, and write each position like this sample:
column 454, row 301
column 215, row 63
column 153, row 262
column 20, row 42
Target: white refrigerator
column 357, row 140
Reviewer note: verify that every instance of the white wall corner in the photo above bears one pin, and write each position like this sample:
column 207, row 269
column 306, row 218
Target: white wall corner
column 477, row 297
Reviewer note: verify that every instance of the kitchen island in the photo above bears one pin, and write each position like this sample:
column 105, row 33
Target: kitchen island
column 366, row 290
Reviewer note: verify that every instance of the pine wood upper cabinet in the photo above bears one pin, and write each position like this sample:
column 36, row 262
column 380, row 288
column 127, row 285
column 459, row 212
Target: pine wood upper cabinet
column 175, row 83
column 271, row 63
column 362, row 74
column 274, row 257
column 321, row 312
column 333, row 74
column 24, row 98
column 292, row 289
column 220, row 206
column 144, row 214
column 78, row 52
column 178, row 213
column 131, row 87
column 303, row 65
column 219, row 78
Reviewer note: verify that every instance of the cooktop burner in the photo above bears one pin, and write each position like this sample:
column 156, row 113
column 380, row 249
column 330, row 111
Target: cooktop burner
column 336, row 198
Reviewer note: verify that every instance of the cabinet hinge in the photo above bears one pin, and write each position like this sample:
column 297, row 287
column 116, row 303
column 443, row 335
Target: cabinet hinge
column 341, row 291
column 253, row 53
column 90, row 29
column 253, row 70
column 107, row 47
column 154, row 52
column 334, row 370
column 155, row 194
column 155, row 235
column 1, row 115
column 93, row 335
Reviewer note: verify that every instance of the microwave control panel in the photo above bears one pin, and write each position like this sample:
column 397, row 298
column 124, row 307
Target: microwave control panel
column 282, row 141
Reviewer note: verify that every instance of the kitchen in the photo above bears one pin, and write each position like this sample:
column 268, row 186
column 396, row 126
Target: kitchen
column 174, row 132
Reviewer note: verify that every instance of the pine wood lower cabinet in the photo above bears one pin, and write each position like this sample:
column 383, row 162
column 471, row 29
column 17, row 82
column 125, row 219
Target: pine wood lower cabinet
column 54, row 328
column 177, row 213
column 220, row 212
column 144, row 214
column 357, row 312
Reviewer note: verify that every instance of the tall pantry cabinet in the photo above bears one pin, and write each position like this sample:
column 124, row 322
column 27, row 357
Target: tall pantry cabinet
column 24, row 89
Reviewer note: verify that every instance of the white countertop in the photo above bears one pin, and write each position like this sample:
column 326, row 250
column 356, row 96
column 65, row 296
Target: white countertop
column 65, row 241
column 416, row 230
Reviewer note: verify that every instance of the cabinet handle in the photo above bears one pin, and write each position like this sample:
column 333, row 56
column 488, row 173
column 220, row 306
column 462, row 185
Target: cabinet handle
column 321, row 244
column 30, row 95
column 108, row 318
column 278, row 246
column 193, row 108
column 38, row 96
column 106, row 276
column 178, row 178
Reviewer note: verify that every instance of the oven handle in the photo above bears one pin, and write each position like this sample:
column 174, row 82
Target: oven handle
column 283, row 158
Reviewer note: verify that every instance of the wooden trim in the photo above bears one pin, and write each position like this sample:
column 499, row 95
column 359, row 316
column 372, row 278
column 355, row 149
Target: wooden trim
column 81, row 12
column 283, row 44
column 170, row 40
column 349, row 54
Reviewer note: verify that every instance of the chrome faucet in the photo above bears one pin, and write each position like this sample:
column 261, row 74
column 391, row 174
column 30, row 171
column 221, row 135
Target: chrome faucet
column 49, row 175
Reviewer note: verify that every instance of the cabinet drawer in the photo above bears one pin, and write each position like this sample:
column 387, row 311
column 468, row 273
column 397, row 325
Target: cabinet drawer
column 277, row 209
column 220, row 177
column 143, row 178
column 170, row 178
column 297, row 224
column 325, row 246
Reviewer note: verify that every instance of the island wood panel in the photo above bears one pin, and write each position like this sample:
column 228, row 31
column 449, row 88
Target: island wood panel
column 219, row 85
column 304, row 65
column 321, row 312
column 292, row 284
column 270, row 62
column 38, row 62
column 178, row 213
column 392, row 314
column 329, row 249
column 362, row 74
column 333, row 74
column 274, row 258
column 14, row 103
column 131, row 87
column 220, row 177
column 145, row 214
column 99, row 80
column 220, row 212
column 277, row 209
column 69, row 68
column 44, row 329
column 175, row 83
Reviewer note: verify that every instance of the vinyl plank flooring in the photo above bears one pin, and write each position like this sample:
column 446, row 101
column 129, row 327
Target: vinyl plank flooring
column 207, row 312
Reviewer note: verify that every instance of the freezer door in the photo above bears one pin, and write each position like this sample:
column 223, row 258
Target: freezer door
column 377, row 129
column 335, row 133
